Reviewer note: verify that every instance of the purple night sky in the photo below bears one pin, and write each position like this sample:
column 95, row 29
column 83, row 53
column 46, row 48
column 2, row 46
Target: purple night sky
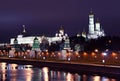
column 46, row 16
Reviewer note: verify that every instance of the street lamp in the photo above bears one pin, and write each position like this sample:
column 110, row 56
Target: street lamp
column 103, row 61
column 69, row 57
column 96, row 50
column 44, row 58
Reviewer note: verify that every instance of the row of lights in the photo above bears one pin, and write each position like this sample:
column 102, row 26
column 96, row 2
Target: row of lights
column 53, row 54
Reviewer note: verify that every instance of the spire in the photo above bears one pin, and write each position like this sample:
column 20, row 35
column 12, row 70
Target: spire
column 61, row 31
column 91, row 12
column 97, row 20
column 24, row 31
column 61, row 28
column 97, row 25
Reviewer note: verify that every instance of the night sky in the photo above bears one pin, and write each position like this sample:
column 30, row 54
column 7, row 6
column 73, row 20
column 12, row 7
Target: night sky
column 46, row 16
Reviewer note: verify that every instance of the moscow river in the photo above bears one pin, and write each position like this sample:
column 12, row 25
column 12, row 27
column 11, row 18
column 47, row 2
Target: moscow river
column 15, row 72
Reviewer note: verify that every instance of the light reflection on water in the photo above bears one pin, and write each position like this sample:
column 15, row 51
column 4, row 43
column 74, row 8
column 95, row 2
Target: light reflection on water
column 45, row 74
column 15, row 72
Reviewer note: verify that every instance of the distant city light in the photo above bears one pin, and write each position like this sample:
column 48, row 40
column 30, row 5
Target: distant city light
column 103, row 61
column 104, row 54
column 96, row 50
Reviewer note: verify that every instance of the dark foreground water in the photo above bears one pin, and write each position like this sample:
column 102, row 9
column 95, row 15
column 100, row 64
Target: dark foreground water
column 15, row 72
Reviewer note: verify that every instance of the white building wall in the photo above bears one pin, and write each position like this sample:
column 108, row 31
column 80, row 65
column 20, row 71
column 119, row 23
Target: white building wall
column 29, row 40
column 97, row 26
column 91, row 24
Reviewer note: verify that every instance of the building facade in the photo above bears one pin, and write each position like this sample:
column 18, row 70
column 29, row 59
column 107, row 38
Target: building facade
column 21, row 39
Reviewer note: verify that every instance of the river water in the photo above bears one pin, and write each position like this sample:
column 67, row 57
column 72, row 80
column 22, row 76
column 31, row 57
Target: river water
column 15, row 72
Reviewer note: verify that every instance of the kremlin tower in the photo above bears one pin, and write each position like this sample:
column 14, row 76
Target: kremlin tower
column 24, row 30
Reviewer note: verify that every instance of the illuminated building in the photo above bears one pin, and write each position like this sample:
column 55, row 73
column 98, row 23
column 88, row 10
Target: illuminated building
column 61, row 34
column 95, row 29
column 21, row 39
column 84, row 34
column 78, row 35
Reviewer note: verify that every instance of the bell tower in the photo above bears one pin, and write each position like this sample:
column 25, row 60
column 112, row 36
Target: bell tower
column 91, row 23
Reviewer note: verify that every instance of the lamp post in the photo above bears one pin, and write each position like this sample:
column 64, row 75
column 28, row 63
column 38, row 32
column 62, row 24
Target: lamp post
column 96, row 51
column 103, row 61
column 44, row 58
column 69, row 57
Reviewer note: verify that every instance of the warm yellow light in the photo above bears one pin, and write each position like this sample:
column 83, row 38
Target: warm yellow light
column 42, row 53
column 77, row 53
column 46, row 50
column 114, row 54
column 47, row 53
column 93, row 54
column 84, row 53
column 58, row 53
column 38, row 53
column 52, row 53
column 67, row 54
column 25, row 53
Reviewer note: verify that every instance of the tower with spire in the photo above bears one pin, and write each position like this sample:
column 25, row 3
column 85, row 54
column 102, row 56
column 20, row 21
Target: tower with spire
column 36, row 44
column 97, row 25
column 61, row 31
column 61, row 34
column 91, row 22
column 95, row 30
column 24, row 30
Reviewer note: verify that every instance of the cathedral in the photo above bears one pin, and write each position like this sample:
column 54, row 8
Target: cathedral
column 95, row 29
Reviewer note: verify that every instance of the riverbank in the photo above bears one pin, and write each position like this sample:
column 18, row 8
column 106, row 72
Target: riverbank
column 68, row 66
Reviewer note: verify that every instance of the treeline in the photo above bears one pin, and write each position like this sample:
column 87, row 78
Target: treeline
column 102, row 43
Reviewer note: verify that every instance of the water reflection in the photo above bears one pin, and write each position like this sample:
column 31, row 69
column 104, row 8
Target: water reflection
column 96, row 78
column 11, row 66
column 3, row 65
column 15, row 72
column 69, row 77
column 45, row 74
column 2, row 71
